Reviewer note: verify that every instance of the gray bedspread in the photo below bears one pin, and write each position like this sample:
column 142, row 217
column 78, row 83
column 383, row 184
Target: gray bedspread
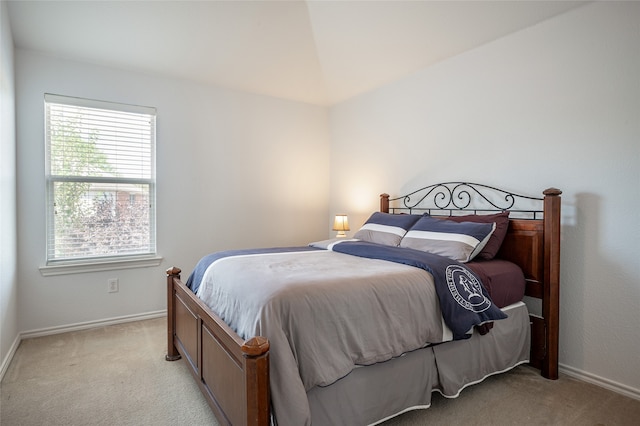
column 350, row 311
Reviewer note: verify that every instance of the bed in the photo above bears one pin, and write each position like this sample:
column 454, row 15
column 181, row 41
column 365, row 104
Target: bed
column 254, row 380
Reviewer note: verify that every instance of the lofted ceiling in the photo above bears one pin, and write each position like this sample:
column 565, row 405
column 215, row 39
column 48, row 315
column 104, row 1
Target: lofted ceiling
column 319, row 52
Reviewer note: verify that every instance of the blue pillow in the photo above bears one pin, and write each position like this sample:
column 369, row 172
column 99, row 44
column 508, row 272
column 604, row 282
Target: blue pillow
column 387, row 229
column 460, row 241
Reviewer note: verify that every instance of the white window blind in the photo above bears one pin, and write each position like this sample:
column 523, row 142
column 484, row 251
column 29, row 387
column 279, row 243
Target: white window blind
column 100, row 173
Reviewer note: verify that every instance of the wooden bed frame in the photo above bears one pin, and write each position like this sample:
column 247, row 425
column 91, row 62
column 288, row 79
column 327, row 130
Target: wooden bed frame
column 233, row 374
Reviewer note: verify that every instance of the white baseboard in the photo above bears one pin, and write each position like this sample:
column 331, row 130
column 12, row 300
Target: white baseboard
column 600, row 381
column 73, row 327
column 7, row 359
column 91, row 324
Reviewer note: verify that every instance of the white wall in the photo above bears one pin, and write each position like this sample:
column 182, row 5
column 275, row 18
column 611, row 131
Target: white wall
column 557, row 104
column 234, row 170
column 8, row 260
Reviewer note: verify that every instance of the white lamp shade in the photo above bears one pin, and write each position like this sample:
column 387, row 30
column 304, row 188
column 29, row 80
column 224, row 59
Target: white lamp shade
column 341, row 224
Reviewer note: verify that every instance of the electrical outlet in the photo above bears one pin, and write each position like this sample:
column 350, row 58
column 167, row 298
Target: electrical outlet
column 112, row 285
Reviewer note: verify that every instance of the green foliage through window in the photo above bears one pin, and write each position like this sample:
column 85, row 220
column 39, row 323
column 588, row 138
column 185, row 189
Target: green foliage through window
column 101, row 180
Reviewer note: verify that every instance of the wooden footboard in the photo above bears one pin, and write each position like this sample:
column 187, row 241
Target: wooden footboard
column 232, row 374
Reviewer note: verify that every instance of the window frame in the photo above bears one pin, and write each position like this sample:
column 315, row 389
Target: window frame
column 96, row 262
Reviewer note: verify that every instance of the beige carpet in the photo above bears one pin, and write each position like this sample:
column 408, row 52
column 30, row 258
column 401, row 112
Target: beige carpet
column 113, row 375
column 117, row 375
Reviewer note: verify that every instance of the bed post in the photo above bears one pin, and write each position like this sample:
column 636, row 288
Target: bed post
column 256, row 354
column 384, row 203
column 172, row 351
column 551, row 298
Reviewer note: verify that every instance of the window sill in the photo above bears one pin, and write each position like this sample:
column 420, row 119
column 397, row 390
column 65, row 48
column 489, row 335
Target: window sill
column 65, row 268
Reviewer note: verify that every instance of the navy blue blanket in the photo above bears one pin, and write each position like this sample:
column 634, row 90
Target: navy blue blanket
column 464, row 301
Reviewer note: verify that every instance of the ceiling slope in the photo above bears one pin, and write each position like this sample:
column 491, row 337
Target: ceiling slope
column 319, row 52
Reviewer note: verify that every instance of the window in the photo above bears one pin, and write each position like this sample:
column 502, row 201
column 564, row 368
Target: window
column 100, row 173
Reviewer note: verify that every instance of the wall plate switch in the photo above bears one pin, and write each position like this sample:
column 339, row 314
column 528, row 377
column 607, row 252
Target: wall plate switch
column 112, row 285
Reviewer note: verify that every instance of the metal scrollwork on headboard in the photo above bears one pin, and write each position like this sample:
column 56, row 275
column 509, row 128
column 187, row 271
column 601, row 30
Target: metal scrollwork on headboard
column 448, row 197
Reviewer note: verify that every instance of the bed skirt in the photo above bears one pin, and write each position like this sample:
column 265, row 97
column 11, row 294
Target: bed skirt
column 375, row 393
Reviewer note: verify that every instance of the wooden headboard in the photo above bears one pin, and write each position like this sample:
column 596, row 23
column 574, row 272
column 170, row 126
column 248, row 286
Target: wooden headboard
column 532, row 242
